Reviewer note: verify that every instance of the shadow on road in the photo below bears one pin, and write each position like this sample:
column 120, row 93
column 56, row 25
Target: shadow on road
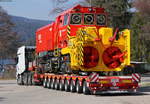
column 7, row 83
column 121, row 94
column 144, row 89
column 2, row 99
column 141, row 91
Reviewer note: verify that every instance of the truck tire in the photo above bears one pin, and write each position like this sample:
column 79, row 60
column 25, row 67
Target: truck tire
column 67, row 87
column 78, row 87
column 19, row 80
column 86, row 90
column 29, row 79
column 25, row 78
column 32, row 79
column 45, row 83
column 61, row 85
column 72, row 86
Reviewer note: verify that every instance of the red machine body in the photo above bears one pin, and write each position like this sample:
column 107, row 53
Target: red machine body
column 54, row 35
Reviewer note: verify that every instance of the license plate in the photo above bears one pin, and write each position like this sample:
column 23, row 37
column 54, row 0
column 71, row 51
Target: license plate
column 114, row 80
column 114, row 88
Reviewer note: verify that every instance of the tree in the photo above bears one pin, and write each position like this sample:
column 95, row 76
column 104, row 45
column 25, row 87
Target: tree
column 58, row 6
column 143, row 7
column 141, row 29
column 137, row 40
column 9, row 40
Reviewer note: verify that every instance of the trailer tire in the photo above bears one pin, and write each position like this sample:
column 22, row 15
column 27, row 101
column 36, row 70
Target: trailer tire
column 45, row 83
column 52, row 83
column 78, row 87
column 67, row 87
column 56, row 84
column 86, row 90
column 48, row 83
column 72, row 86
column 61, row 85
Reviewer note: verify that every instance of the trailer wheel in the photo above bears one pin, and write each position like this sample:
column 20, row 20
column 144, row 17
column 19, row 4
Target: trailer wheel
column 78, row 87
column 48, row 83
column 67, row 89
column 86, row 90
column 56, row 84
column 72, row 86
column 52, row 83
column 45, row 83
column 61, row 85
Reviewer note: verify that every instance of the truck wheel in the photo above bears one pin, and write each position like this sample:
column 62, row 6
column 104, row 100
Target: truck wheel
column 86, row 90
column 48, row 83
column 61, row 85
column 56, row 84
column 67, row 89
column 29, row 79
column 45, row 83
column 52, row 83
column 32, row 79
column 19, row 80
column 25, row 78
column 72, row 86
column 78, row 87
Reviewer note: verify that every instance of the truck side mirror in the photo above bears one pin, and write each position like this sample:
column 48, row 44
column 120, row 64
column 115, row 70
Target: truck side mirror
column 16, row 60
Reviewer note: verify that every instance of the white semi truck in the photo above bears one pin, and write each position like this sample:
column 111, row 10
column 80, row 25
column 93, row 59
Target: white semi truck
column 24, row 57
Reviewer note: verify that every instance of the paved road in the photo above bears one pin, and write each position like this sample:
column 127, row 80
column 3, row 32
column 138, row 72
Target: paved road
column 11, row 93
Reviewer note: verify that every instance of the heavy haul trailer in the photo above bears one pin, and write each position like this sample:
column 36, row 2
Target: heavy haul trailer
column 78, row 52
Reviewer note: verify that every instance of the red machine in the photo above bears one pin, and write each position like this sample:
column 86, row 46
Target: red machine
column 54, row 35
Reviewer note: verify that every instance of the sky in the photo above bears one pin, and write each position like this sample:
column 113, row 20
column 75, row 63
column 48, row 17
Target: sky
column 34, row 9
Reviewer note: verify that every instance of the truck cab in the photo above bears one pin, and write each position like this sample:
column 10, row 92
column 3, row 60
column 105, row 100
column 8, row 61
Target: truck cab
column 25, row 57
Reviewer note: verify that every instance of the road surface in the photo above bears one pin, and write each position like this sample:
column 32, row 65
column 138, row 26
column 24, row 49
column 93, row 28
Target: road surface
column 11, row 93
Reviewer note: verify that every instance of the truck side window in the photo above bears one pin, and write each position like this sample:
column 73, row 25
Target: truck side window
column 66, row 19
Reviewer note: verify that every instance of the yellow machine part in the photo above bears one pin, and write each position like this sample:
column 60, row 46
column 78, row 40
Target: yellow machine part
column 123, row 43
column 99, row 39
